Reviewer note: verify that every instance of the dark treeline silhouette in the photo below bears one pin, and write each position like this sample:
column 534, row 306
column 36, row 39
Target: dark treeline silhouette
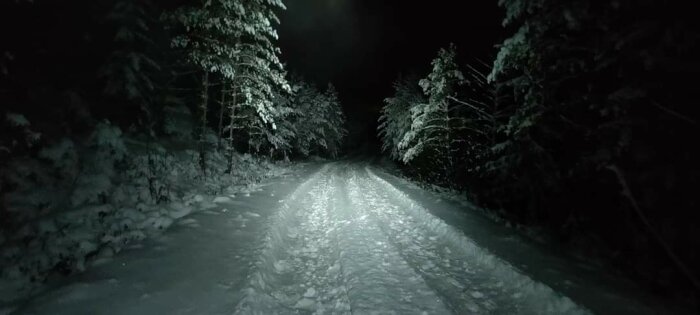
column 584, row 124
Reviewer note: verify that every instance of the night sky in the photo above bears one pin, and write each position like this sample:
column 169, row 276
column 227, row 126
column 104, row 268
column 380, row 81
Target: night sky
column 363, row 45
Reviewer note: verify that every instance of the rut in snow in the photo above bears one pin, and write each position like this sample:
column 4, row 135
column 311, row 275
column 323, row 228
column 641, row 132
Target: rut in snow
column 346, row 241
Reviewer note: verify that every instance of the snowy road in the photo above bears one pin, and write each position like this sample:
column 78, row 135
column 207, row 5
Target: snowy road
column 348, row 242
column 342, row 239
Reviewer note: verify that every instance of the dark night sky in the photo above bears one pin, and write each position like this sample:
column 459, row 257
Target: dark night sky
column 362, row 45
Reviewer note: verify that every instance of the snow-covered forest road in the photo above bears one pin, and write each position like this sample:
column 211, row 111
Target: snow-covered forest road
column 341, row 238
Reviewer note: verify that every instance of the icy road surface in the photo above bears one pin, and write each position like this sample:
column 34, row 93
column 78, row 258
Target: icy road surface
column 344, row 238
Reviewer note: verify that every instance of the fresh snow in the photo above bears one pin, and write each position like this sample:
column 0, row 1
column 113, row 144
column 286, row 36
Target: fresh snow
column 222, row 199
column 70, row 213
column 340, row 239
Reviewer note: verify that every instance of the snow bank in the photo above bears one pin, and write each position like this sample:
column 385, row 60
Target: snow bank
column 525, row 292
column 81, row 201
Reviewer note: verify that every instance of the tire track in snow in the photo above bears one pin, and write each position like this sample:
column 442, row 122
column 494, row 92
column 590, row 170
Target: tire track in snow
column 316, row 254
column 299, row 271
column 272, row 287
column 380, row 280
column 348, row 242
column 444, row 270
column 469, row 278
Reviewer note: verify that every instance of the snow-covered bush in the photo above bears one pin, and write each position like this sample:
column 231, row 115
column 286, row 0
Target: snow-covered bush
column 56, row 204
column 151, row 173
column 178, row 123
column 80, row 200
column 33, row 185
column 63, row 157
column 105, row 150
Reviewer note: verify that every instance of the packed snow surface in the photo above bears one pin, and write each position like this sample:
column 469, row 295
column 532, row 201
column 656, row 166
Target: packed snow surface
column 343, row 238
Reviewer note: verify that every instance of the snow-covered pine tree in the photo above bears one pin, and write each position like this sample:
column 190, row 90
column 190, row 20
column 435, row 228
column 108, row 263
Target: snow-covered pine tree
column 305, row 102
column 464, row 101
column 477, row 120
column 259, row 76
column 131, row 71
column 334, row 122
column 432, row 122
column 279, row 141
column 256, row 75
column 234, row 39
column 395, row 120
column 320, row 124
column 207, row 38
column 598, row 108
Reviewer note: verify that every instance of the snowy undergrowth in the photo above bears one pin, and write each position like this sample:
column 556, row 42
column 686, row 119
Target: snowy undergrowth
column 579, row 249
column 459, row 197
column 530, row 294
column 80, row 201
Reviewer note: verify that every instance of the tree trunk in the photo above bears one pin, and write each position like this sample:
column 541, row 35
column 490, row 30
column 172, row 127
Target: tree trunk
column 448, row 144
column 221, row 114
column 494, row 116
column 202, row 132
column 232, row 111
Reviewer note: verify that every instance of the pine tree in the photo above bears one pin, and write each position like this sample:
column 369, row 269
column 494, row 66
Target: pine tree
column 235, row 39
column 445, row 124
column 335, row 121
column 132, row 72
column 395, row 120
column 432, row 121
column 478, row 119
column 590, row 113
column 320, row 124
column 308, row 124
column 259, row 76
column 206, row 38
column 281, row 139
